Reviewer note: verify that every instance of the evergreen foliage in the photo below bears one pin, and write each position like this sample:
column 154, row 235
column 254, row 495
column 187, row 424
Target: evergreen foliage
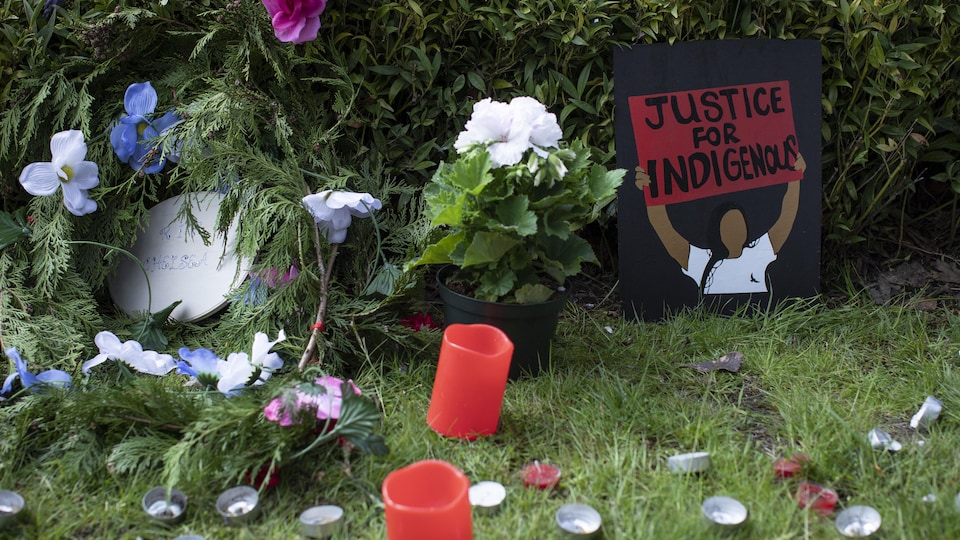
column 373, row 105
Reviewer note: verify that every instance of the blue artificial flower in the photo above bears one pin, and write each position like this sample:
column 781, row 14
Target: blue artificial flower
column 134, row 137
column 201, row 363
column 50, row 377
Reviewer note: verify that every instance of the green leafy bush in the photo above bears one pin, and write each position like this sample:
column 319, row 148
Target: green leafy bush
column 373, row 105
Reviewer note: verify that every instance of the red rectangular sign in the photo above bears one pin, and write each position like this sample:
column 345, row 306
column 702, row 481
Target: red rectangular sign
column 706, row 142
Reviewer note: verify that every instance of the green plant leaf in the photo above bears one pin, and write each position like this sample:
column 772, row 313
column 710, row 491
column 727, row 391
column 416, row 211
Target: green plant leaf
column 13, row 228
column 533, row 293
column 513, row 213
column 487, row 247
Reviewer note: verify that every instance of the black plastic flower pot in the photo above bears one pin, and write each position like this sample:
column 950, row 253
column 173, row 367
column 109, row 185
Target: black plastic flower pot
column 530, row 327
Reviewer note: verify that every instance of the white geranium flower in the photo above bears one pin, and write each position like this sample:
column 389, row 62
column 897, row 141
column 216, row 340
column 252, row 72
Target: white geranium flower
column 131, row 353
column 493, row 123
column 334, row 210
column 545, row 132
column 510, row 129
column 68, row 170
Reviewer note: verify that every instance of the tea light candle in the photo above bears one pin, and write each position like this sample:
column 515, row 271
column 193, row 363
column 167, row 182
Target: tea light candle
column 881, row 440
column 725, row 512
column 165, row 507
column 487, row 496
column 821, row 499
column 788, row 468
column 858, row 521
column 11, row 503
column 692, row 462
column 320, row 521
column 540, row 475
column 238, row 505
column 578, row 520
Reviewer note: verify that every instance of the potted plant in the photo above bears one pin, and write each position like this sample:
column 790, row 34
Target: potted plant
column 505, row 214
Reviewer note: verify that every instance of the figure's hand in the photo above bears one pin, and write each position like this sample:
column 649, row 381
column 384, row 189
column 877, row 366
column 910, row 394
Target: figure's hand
column 800, row 164
column 642, row 178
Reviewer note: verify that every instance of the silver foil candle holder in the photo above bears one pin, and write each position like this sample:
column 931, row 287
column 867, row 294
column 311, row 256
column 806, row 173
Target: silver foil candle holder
column 11, row 503
column 881, row 440
column 239, row 505
column 578, row 521
column 693, row 462
column 724, row 512
column 928, row 412
column 165, row 507
column 486, row 497
column 321, row 521
column 858, row 521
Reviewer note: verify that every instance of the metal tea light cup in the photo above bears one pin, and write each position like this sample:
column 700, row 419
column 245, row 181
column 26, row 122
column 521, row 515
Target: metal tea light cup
column 239, row 505
column 578, row 521
column 169, row 508
column 858, row 521
column 11, row 503
column 321, row 521
column 724, row 512
column 486, row 497
column 693, row 462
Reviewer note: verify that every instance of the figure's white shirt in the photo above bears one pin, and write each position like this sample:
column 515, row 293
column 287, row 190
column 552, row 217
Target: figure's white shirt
column 745, row 274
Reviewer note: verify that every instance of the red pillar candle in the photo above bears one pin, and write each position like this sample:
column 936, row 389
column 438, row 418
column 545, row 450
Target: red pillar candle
column 471, row 378
column 428, row 500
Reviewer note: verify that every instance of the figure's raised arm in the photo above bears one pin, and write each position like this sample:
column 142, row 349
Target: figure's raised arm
column 788, row 211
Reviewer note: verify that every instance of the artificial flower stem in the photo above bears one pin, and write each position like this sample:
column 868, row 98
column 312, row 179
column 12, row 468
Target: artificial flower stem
column 135, row 259
column 325, row 270
column 326, row 437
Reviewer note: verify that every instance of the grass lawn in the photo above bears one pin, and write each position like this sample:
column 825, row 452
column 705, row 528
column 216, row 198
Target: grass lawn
column 617, row 402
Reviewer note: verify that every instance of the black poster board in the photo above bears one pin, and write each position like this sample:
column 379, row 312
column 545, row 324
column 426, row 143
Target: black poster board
column 721, row 204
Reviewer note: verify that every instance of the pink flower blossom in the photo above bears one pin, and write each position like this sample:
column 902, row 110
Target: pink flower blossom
column 287, row 409
column 295, row 21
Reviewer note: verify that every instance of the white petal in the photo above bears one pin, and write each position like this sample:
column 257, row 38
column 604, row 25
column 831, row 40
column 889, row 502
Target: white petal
column 235, row 371
column 153, row 363
column 93, row 362
column 77, row 201
column 68, row 148
column 261, row 346
column 40, row 179
column 507, row 153
column 85, row 175
column 108, row 343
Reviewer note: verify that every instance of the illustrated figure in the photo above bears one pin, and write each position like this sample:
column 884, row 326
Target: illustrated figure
column 731, row 263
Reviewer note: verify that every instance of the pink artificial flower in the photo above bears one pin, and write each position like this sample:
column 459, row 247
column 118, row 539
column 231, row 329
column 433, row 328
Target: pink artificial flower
column 285, row 409
column 295, row 21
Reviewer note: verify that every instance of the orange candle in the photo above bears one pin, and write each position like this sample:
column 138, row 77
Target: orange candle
column 471, row 378
column 428, row 500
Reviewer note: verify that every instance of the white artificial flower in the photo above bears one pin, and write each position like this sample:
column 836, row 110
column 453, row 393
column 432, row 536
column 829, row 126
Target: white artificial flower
column 334, row 210
column 262, row 358
column 131, row 353
column 68, row 170
column 235, row 371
